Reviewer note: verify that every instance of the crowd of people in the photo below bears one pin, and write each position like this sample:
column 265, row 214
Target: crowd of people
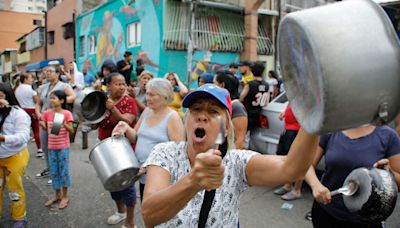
column 173, row 131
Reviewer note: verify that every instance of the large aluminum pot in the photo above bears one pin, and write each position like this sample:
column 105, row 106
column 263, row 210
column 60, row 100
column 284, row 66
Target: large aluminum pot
column 115, row 163
column 340, row 65
column 91, row 105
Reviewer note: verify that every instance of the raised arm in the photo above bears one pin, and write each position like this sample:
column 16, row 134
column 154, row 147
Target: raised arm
column 270, row 170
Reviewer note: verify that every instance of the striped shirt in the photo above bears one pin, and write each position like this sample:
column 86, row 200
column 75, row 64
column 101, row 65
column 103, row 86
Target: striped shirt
column 60, row 141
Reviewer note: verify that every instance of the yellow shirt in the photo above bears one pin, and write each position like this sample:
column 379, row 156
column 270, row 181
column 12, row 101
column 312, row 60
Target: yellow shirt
column 176, row 104
column 247, row 78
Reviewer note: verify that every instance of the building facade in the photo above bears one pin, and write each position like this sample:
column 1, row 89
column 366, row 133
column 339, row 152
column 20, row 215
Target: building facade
column 60, row 28
column 25, row 6
column 158, row 33
column 14, row 25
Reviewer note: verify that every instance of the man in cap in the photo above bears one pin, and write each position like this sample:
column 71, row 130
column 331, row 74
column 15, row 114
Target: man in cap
column 178, row 174
column 125, row 67
column 245, row 70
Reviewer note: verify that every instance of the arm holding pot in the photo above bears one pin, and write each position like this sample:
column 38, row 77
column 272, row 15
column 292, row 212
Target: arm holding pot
column 283, row 169
column 321, row 193
column 393, row 164
column 123, row 129
column 127, row 117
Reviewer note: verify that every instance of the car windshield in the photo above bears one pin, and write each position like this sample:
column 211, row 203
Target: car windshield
column 282, row 98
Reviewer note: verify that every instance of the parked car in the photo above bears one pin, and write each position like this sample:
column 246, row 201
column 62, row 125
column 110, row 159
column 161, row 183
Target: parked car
column 265, row 139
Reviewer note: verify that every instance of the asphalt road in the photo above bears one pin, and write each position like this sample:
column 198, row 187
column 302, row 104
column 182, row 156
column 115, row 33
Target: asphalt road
column 90, row 204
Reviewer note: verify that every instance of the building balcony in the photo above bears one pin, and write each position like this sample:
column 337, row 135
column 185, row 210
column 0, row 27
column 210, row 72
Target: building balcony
column 23, row 57
column 8, row 67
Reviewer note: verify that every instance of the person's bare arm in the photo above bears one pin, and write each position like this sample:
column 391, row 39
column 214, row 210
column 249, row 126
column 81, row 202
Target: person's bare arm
column 240, row 130
column 38, row 107
column 244, row 93
column 70, row 95
column 176, row 131
column 283, row 169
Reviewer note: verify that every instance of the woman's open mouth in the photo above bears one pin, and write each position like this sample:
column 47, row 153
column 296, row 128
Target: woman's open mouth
column 199, row 134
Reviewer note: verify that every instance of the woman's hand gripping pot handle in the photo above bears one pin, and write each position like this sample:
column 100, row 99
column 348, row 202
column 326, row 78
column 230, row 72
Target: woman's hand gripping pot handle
column 208, row 170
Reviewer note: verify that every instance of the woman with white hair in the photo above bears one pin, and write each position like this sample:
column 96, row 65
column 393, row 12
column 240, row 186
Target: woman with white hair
column 158, row 123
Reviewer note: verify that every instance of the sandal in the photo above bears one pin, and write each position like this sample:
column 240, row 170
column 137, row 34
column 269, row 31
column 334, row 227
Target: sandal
column 63, row 203
column 51, row 202
column 290, row 196
column 281, row 191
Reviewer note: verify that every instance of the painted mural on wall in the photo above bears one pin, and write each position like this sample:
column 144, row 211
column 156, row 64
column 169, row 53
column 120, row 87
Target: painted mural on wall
column 106, row 37
column 105, row 32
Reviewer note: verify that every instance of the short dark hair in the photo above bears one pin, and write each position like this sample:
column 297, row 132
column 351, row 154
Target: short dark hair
column 61, row 95
column 233, row 65
column 258, row 69
column 273, row 74
column 10, row 96
column 109, row 77
column 230, row 81
column 23, row 76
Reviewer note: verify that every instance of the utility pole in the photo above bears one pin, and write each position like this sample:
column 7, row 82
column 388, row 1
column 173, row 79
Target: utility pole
column 282, row 9
column 45, row 34
column 190, row 46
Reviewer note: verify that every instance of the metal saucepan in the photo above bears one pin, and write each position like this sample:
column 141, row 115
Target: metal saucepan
column 370, row 192
column 57, row 123
column 91, row 105
column 329, row 56
column 115, row 163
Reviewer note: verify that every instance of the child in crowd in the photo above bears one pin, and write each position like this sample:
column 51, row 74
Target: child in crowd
column 58, row 147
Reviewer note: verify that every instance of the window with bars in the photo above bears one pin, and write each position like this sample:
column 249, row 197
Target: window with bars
column 50, row 37
column 82, row 47
column 214, row 30
column 134, row 34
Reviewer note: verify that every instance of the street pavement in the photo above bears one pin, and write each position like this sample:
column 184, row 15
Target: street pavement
column 90, row 205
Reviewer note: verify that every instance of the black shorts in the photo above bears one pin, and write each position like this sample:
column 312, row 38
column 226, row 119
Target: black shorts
column 285, row 141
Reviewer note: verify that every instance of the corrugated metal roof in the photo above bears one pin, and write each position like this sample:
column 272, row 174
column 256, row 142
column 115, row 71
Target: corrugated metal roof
column 215, row 30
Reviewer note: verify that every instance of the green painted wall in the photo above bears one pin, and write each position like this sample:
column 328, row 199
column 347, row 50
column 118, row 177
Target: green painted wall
column 108, row 24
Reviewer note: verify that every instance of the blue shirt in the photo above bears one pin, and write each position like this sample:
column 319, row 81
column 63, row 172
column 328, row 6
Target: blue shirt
column 89, row 79
column 343, row 155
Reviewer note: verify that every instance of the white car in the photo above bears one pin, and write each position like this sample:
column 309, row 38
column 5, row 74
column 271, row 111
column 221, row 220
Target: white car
column 265, row 139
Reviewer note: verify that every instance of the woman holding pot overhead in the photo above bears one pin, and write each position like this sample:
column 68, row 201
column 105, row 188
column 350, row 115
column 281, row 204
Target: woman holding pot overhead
column 121, row 107
column 158, row 123
column 14, row 154
column 44, row 91
column 344, row 151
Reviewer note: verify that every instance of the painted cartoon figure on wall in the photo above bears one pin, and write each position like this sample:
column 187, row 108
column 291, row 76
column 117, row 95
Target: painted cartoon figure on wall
column 110, row 39
column 205, row 65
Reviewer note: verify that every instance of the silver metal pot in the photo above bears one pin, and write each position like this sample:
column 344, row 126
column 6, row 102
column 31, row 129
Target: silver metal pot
column 57, row 123
column 115, row 163
column 340, row 65
column 91, row 105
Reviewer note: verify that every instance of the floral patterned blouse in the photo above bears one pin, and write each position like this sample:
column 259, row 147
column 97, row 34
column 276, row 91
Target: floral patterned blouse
column 225, row 208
